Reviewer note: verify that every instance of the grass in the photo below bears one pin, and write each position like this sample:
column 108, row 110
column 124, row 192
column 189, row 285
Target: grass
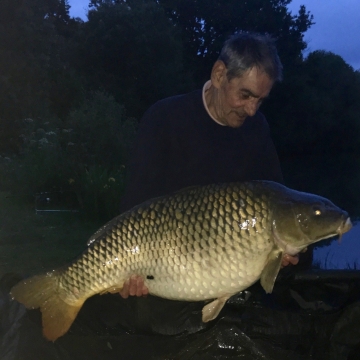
column 32, row 243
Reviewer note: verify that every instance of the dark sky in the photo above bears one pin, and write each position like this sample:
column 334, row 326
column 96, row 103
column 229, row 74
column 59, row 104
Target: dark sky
column 337, row 27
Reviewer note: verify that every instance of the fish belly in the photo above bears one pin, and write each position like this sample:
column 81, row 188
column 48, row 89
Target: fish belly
column 204, row 277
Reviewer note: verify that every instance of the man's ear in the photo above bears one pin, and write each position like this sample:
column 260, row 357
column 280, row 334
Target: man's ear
column 218, row 73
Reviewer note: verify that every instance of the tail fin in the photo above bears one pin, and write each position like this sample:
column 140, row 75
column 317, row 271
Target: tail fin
column 42, row 291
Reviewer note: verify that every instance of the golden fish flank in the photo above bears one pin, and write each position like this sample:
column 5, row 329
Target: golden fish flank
column 201, row 243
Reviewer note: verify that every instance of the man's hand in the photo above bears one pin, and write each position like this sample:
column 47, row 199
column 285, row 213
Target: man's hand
column 288, row 259
column 134, row 286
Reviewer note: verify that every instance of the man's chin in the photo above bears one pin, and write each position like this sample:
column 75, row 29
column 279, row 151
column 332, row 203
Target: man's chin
column 237, row 123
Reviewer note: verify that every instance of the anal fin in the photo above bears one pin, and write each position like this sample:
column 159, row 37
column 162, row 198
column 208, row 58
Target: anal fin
column 211, row 311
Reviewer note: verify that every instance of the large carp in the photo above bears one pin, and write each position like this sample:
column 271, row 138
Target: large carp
column 201, row 243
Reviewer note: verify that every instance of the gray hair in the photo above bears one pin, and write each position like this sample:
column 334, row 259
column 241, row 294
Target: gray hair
column 245, row 50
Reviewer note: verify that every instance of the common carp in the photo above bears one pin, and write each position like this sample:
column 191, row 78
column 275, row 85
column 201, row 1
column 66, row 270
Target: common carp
column 201, row 243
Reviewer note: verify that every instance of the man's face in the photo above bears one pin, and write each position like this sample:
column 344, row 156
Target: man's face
column 240, row 97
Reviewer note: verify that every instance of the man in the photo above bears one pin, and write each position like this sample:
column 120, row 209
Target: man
column 211, row 135
column 208, row 136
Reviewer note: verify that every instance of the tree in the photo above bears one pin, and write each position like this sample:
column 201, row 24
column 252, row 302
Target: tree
column 31, row 54
column 206, row 24
column 315, row 121
column 132, row 50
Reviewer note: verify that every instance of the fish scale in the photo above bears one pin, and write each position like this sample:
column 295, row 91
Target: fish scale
column 120, row 252
column 201, row 243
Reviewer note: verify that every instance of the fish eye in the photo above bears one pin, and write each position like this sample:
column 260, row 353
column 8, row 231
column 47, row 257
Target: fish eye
column 317, row 211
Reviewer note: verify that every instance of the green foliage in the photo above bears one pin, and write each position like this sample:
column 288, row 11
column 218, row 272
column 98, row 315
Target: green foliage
column 42, row 165
column 85, row 154
column 314, row 115
column 319, row 105
column 99, row 191
column 32, row 52
column 99, row 133
column 98, row 142
column 206, row 24
column 133, row 51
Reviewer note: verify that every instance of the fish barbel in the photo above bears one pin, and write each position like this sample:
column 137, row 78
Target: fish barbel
column 201, row 243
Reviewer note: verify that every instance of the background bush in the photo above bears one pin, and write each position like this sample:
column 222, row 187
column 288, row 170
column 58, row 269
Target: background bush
column 86, row 154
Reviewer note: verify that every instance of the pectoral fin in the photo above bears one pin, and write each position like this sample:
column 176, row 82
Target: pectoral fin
column 211, row 311
column 271, row 269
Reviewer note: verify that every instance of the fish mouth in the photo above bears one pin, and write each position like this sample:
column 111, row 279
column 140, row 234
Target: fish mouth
column 347, row 225
column 344, row 227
